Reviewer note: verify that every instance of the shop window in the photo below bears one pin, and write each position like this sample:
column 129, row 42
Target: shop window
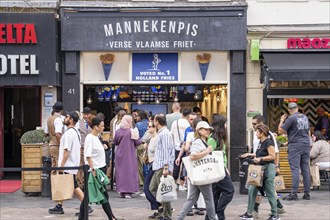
column 154, row 98
column 300, row 84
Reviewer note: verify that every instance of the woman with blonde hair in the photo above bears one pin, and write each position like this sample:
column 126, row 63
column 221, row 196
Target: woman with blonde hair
column 126, row 139
column 198, row 150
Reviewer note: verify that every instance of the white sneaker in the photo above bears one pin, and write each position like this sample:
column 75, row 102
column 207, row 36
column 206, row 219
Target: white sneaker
column 182, row 188
column 143, row 195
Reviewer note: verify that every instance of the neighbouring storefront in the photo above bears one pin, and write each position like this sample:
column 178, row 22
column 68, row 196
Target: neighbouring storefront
column 29, row 78
column 148, row 58
column 299, row 73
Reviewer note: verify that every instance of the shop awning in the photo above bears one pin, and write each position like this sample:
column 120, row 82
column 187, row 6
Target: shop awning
column 295, row 66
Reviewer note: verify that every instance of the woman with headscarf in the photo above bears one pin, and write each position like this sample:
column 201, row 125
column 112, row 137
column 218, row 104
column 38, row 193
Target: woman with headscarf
column 127, row 139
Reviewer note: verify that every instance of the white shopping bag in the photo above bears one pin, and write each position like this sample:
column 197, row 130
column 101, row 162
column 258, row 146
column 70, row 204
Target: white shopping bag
column 207, row 170
column 166, row 191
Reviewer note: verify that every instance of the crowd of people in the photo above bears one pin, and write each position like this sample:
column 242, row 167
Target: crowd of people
column 147, row 147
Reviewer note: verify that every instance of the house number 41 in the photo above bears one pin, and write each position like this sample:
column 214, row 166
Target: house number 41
column 71, row 91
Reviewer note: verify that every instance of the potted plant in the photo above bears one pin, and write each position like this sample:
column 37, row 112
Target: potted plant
column 107, row 61
column 34, row 146
column 282, row 140
column 203, row 61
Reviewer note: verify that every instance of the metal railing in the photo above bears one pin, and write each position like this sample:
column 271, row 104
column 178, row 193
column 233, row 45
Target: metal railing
column 84, row 168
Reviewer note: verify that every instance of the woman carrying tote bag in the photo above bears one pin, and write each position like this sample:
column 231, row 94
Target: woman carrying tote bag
column 264, row 156
column 198, row 150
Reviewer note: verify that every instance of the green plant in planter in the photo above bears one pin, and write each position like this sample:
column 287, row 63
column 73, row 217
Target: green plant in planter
column 33, row 137
column 282, row 140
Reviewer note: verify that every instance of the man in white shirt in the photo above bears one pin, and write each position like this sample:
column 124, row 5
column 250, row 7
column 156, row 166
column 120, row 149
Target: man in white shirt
column 69, row 156
column 178, row 131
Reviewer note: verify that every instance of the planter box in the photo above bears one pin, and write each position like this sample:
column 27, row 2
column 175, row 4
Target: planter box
column 31, row 157
column 286, row 171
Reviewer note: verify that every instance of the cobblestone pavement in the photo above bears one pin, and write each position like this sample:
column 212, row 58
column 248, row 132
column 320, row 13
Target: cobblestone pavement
column 19, row 206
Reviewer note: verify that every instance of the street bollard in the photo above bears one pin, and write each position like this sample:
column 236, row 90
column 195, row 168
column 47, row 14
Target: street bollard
column 85, row 169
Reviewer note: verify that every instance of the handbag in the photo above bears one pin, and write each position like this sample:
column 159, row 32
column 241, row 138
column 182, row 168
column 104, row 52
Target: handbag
column 207, row 170
column 315, row 175
column 62, row 186
column 166, row 191
column 279, row 183
column 255, row 175
column 145, row 157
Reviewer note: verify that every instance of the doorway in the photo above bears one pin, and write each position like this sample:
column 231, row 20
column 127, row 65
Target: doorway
column 21, row 113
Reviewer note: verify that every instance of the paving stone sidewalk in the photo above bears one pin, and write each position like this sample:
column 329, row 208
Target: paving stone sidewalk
column 18, row 206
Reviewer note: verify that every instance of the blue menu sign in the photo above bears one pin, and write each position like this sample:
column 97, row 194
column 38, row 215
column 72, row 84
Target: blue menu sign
column 155, row 67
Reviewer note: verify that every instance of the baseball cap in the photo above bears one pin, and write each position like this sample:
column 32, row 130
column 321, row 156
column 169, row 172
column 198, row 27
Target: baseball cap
column 73, row 115
column 203, row 124
column 117, row 109
column 58, row 106
column 292, row 105
column 87, row 110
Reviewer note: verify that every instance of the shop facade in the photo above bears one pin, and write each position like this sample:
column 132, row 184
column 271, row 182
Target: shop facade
column 29, row 78
column 153, row 56
column 287, row 59
column 290, row 71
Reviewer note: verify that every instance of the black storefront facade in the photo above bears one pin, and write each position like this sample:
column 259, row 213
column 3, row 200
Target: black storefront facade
column 29, row 78
column 127, row 33
column 301, row 74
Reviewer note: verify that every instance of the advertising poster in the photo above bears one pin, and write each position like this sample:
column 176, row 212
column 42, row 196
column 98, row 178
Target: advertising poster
column 155, row 67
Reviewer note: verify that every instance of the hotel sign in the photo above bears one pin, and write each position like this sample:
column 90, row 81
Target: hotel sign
column 28, row 54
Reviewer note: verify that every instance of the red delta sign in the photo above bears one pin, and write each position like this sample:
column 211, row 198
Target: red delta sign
column 17, row 34
column 307, row 43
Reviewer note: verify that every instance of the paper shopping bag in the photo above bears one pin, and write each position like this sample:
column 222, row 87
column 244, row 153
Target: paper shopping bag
column 255, row 175
column 315, row 175
column 62, row 186
column 166, row 191
column 279, row 183
column 207, row 170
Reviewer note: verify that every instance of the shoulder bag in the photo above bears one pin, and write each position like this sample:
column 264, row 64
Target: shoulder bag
column 207, row 170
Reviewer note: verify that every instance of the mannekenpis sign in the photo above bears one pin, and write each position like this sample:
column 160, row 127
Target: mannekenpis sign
column 106, row 31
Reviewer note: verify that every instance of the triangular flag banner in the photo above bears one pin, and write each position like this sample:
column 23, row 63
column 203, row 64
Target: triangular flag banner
column 255, row 49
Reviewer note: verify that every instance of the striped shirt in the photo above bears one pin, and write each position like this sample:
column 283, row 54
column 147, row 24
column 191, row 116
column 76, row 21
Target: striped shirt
column 164, row 153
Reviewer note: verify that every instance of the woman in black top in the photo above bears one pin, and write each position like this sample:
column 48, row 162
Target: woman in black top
column 264, row 156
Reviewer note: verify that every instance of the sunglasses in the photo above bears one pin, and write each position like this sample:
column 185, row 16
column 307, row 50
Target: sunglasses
column 254, row 123
column 150, row 126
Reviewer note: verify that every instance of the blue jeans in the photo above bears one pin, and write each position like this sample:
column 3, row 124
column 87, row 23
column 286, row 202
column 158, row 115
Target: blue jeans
column 151, row 198
column 145, row 169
